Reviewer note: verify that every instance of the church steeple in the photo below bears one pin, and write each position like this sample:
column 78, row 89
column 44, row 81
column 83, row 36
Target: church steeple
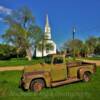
column 47, row 21
column 47, row 29
column 49, row 40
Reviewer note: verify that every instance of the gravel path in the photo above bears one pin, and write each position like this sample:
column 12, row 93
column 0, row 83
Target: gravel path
column 11, row 68
column 93, row 61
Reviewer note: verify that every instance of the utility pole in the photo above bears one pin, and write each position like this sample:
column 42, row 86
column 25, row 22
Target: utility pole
column 73, row 38
column 74, row 30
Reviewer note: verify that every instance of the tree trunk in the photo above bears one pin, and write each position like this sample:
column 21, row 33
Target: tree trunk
column 29, row 54
column 42, row 48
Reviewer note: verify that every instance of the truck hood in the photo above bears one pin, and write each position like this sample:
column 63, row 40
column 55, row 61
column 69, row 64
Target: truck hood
column 37, row 67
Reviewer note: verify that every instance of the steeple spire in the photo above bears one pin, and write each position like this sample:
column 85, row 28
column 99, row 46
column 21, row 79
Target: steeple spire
column 47, row 28
column 47, row 21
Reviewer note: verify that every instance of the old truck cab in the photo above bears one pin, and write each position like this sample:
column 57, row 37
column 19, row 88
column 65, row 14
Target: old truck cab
column 55, row 71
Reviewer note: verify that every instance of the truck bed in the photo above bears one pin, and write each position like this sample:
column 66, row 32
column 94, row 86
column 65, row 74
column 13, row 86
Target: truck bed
column 72, row 67
column 80, row 63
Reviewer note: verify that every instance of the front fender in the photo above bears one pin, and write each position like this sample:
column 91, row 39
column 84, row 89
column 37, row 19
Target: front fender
column 38, row 75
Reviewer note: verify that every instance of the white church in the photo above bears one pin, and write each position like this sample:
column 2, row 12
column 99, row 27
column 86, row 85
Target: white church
column 48, row 38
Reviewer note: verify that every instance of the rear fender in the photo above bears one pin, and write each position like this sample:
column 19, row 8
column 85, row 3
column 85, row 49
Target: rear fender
column 81, row 71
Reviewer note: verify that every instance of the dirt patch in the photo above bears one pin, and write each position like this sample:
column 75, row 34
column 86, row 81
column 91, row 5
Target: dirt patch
column 93, row 61
column 11, row 68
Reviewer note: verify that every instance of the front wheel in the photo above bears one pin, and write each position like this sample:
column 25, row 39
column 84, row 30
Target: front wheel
column 37, row 85
column 87, row 76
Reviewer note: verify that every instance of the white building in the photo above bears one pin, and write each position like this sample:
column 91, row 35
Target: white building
column 47, row 37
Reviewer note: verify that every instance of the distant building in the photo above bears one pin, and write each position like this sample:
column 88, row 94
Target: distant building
column 47, row 37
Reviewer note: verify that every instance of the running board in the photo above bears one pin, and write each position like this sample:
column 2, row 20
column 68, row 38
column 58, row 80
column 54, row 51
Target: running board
column 70, row 80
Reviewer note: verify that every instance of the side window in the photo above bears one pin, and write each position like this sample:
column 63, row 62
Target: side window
column 58, row 60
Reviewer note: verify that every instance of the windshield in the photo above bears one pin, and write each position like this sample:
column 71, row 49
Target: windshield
column 58, row 60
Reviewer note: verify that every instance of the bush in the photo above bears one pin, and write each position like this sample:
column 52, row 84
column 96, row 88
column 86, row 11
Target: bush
column 7, row 52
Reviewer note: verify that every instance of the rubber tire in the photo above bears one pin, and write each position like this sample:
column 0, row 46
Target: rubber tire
column 86, row 76
column 37, row 81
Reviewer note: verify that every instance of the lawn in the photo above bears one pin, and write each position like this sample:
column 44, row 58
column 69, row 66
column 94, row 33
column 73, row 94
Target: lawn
column 23, row 61
column 77, row 91
column 92, row 58
column 19, row 62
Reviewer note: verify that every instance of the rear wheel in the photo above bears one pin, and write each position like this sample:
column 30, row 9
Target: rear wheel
column 37, row 85
column 87, row 76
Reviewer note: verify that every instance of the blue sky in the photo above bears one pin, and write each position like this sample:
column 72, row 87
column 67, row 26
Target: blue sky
column 63, row 16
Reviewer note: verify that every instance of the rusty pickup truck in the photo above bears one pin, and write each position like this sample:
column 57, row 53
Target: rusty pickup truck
column 55, row 71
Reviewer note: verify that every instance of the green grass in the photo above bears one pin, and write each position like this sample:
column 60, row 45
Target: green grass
column 18, row 62
column 23, row 62
column 93, row 58
column 9, row 90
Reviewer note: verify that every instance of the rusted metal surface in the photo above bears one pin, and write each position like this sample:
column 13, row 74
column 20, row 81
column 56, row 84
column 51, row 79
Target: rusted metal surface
column 33, row 73
column 65, row 82
column 55, row 74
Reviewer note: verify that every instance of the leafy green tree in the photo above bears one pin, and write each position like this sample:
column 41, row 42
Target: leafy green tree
column 97, row 48
column 7, row 51
column 75, row 46
column 83, row 48
column 22, row 31
column 91, row 43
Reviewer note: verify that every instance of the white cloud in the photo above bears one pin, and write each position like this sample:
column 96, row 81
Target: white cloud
column 5, row 10
column 1, row 19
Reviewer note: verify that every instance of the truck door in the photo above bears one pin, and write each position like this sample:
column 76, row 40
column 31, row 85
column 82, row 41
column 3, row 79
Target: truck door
column 58, row 71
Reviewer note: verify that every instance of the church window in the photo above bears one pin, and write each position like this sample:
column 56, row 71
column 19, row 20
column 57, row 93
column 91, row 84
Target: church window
column 47, row 51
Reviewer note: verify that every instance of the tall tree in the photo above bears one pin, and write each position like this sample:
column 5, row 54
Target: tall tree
column 76, row 44
column 97, row 48
column 91, row 43
column 22, row 31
